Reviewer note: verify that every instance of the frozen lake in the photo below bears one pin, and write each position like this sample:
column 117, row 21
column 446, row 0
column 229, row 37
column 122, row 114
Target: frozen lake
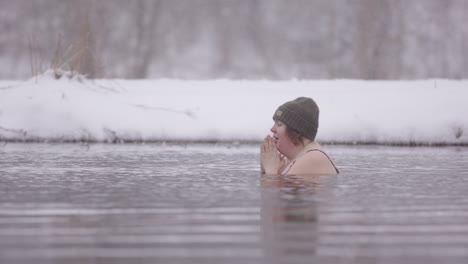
column 71, row 203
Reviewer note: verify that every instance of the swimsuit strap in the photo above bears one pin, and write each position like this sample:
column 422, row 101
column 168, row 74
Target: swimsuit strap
column 289, row 167
column 326, row 155
column 310, row 150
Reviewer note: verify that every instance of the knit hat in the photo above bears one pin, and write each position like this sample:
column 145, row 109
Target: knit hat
column 301, row 115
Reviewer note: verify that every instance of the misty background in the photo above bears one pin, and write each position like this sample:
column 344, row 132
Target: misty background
column 236, row 39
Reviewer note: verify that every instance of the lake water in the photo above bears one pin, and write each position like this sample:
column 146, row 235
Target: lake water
column 154, row 203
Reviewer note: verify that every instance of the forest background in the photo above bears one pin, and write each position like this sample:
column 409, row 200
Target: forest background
column 236, row 39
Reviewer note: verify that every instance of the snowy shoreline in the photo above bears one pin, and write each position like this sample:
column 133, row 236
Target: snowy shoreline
column 227, row 143
column 407, row 113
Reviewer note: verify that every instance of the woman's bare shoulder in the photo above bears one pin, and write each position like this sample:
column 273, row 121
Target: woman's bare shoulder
column 313, row 162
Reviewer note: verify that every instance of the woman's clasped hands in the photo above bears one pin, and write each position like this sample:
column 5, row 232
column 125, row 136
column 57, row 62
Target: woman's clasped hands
column 271, row 161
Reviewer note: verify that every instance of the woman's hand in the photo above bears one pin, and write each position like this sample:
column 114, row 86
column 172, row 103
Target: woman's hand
column 270, row 159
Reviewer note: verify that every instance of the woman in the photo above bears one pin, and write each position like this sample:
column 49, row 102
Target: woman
column 292, row 149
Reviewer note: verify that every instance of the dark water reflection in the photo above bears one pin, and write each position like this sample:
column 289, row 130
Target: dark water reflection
column 208, row 204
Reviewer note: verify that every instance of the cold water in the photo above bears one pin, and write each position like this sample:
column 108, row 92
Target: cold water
column 156, row 203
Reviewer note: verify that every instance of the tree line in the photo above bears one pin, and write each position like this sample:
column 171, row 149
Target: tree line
column 236, row 39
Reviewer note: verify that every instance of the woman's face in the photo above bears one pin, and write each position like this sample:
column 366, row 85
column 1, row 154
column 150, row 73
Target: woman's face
column 282, row 141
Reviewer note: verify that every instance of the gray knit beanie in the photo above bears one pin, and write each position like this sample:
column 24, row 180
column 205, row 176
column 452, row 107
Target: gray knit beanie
column 301, row 115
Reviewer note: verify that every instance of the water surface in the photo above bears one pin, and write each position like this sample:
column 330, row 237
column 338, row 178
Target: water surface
column 70, row 203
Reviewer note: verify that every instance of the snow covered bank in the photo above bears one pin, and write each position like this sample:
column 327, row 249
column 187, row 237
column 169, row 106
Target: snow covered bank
column 385, row 112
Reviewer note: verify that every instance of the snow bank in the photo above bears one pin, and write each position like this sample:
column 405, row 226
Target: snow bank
column 384, row 112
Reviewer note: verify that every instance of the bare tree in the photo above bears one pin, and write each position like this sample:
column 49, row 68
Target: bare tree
column 366, row 39
column 373, row 19
column 146, row 25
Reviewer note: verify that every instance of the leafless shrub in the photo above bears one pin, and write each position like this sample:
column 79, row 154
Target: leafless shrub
column 66, row 62
column 458, row 132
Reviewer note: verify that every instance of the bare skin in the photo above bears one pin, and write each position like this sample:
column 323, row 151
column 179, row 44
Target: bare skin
column 270, row 159
column 278, row 155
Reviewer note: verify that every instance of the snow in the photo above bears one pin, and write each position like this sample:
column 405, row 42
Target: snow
column 429, row 112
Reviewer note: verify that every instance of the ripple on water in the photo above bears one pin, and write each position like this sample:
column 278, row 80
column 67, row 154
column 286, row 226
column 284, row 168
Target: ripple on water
column 208, row 204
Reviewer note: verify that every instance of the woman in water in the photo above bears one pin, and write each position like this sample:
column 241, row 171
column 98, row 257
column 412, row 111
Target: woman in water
column 293, row 149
